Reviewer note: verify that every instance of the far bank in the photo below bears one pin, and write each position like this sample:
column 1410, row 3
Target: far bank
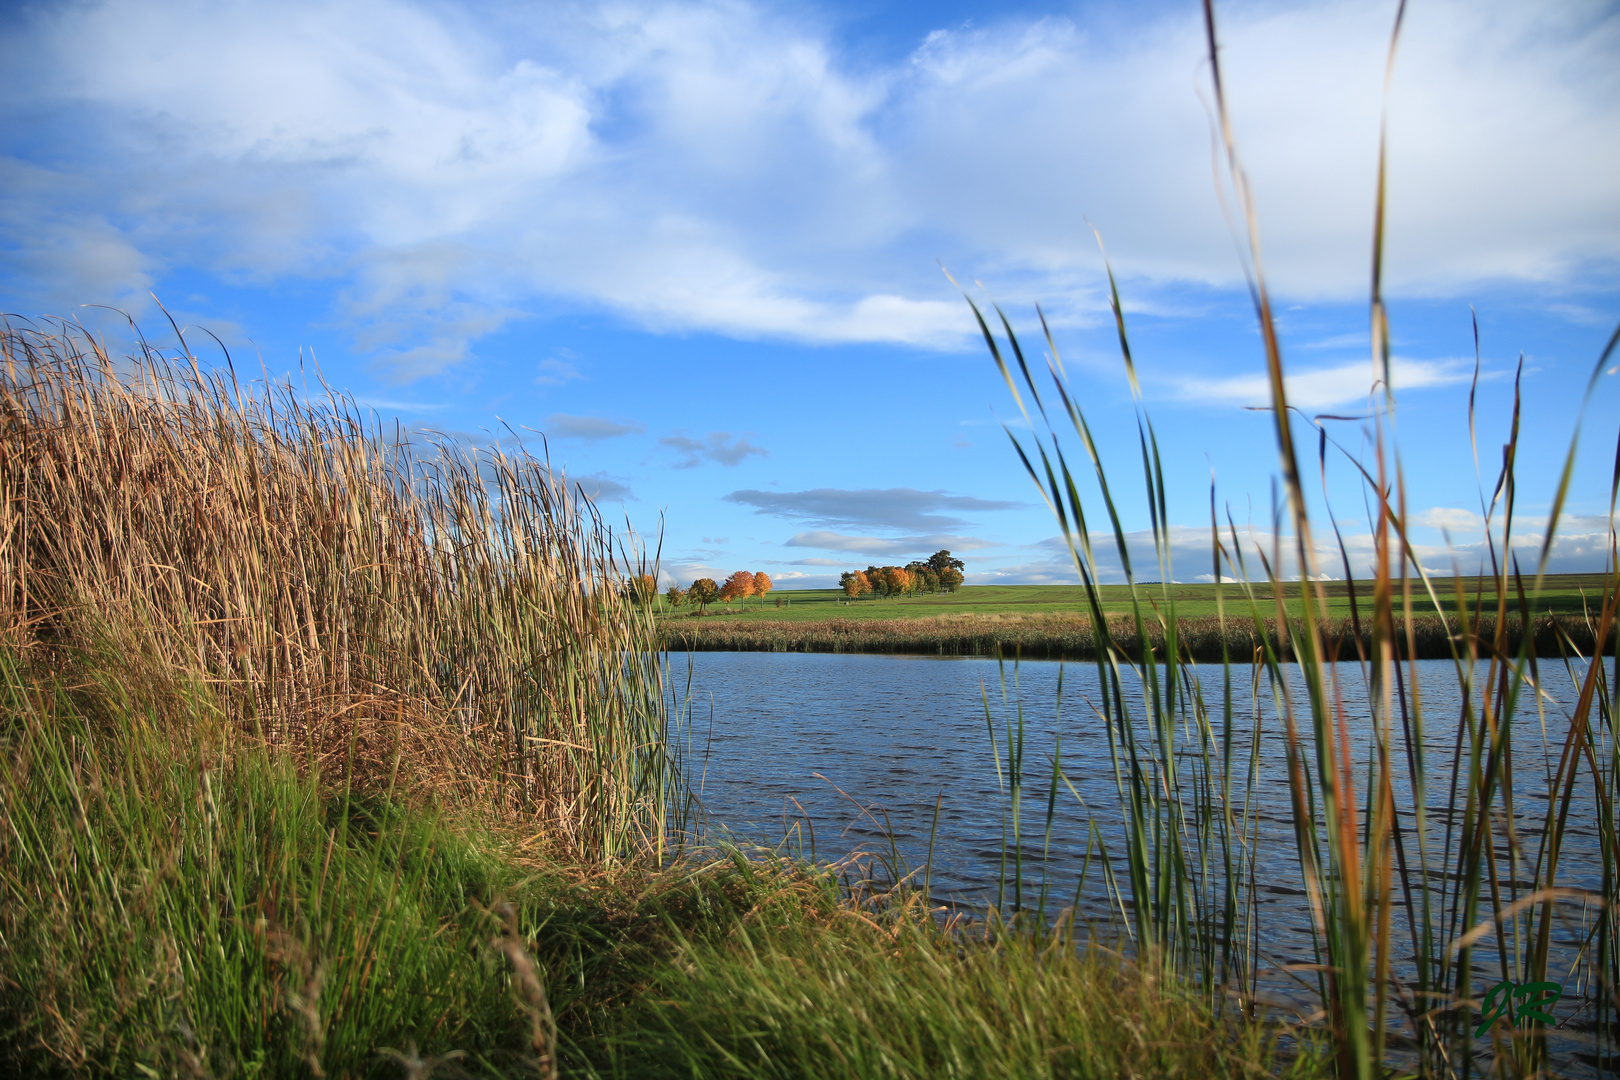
column 1042, row 622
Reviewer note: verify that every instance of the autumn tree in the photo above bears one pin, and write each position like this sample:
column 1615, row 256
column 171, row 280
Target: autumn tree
column 889, row 580
column 676, row 596
column 704, row 592
column 939, row 573
column 641, row 589
column 737, row 586
column 762, row 585
column 854, row 583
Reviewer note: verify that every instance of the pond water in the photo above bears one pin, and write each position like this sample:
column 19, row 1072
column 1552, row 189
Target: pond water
column 835, row 754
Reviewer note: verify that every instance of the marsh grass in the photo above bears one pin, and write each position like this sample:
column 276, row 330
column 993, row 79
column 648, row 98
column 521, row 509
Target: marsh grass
column 346, row 592
column 898, row 998
column 334, row 754
column 1416, row 907
column 1070, row 637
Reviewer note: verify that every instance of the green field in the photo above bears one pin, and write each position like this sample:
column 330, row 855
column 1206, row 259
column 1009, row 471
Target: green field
column 1563, row 594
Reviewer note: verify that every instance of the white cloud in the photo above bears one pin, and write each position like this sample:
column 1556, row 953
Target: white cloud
column 725, row 166
column 1343, row 384
column 1450, row 518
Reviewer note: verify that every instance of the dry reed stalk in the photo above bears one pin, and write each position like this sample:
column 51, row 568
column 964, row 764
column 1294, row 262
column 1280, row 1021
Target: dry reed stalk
column 393, row 602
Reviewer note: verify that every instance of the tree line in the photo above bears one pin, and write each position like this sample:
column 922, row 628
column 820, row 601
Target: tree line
column 940, row 573
column 705, row 591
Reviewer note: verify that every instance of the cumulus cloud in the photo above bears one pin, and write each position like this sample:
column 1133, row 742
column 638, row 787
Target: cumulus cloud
column 588, row 428
column 893, row 508
column 719, row 446
column 730, row 167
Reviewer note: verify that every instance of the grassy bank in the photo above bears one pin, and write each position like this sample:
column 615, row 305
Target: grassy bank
column 328, row 755
column 1561, row 594
column 178, row 902
column 1072, row 637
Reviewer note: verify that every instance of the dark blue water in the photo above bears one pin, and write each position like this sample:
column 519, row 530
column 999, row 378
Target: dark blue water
column 833, row 755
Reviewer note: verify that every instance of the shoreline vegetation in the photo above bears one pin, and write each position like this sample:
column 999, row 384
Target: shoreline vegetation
column 325, row 754
column 1048, row 636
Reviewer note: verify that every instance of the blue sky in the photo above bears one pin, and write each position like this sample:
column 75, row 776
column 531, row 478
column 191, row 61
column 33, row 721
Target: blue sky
column 699, row 245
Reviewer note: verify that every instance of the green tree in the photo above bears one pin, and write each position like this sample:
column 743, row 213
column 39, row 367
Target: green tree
column 676, row 596
column 950, row 578
column 704, row 592
column 941, row 561
column 925, row 579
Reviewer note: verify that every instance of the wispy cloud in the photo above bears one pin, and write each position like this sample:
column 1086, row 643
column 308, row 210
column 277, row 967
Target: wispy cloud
column 893, row 508
column 383, row 405
column 719, row 446
column 886, row 546
column 588, row 428
column 555, row 372
column 1450, row 518
column 600, row 487
column 1344, row 384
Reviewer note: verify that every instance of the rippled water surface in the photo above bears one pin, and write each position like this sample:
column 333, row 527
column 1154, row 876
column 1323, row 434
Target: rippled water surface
column 850, row 751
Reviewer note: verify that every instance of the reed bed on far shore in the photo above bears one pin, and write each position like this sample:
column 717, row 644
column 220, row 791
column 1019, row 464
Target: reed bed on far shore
column 1072, row 637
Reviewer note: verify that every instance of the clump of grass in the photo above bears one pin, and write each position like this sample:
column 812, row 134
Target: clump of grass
column 383, row 600
column 902, row 998
column 174, row 905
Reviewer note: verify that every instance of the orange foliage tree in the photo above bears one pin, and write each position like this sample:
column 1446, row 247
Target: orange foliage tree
column 737, row 586
column 762, row 585
column 855, row 583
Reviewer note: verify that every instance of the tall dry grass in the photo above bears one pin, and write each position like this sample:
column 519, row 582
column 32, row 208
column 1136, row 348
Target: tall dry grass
column 370, row 598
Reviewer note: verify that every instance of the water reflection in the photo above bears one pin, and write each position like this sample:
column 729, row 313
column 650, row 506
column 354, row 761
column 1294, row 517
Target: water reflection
column 845, row 752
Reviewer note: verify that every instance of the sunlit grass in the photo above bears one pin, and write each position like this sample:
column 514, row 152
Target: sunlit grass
column 1416, row 908
column 329, row 753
